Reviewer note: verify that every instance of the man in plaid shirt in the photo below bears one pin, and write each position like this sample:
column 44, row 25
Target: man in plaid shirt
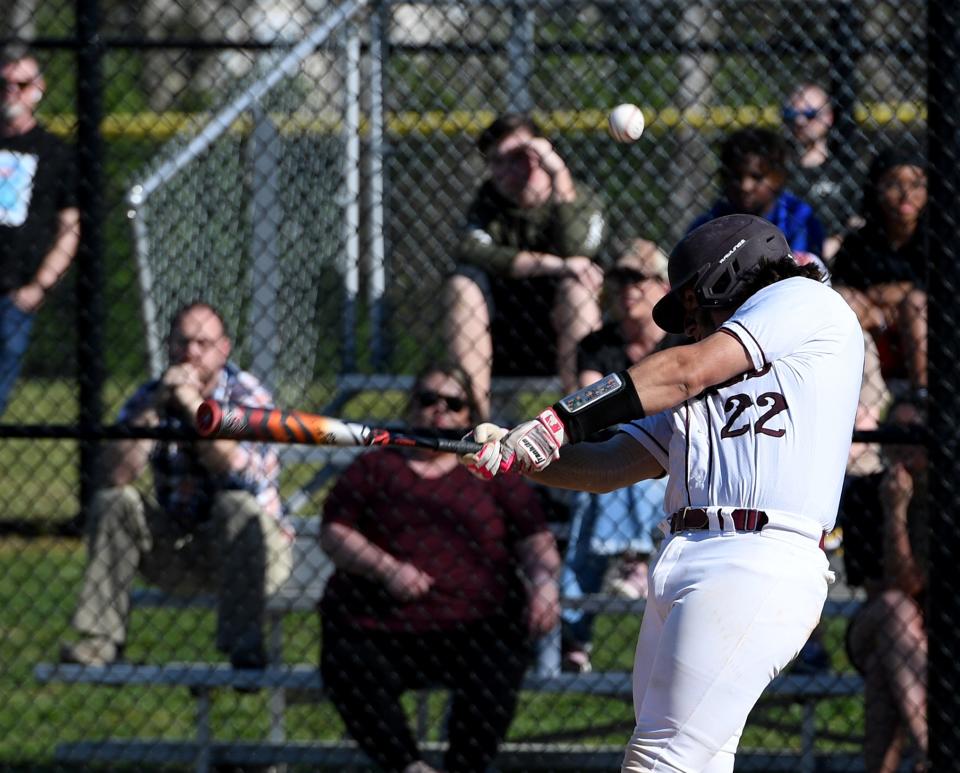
column 214, row 522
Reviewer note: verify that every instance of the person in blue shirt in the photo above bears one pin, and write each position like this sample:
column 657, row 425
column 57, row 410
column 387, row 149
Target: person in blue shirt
column 753, row 175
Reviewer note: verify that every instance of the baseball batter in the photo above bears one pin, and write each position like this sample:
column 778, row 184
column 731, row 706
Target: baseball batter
column 753, row 424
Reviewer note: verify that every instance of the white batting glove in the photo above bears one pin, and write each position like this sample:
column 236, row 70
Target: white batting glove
column 531, row 446
column 485, row 463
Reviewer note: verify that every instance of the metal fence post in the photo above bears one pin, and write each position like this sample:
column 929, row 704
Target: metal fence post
column 944, row 635
column 520, row 53
column 351, row 194
column 265, row 218
column 376, row 285
column 90, row 354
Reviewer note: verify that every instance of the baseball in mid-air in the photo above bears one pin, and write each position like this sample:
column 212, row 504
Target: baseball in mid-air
column 625, row 123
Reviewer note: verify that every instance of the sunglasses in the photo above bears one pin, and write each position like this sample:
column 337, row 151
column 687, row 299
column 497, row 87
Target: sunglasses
column 791, row 114
column 427, row 398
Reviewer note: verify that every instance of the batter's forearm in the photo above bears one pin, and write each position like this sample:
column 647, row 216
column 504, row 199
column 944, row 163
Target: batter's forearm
column 600, row 467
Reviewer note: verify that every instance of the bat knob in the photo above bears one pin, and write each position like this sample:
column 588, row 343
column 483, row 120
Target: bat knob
column 209, row 417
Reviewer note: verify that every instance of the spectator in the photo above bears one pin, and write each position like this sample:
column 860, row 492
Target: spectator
column 620, row 522
column 526, row 283
column 440, row 579
column 753, row 172
column 818, row 175
column 39, row 218
column 887, row 639
column 881, row 268
column 215, row 521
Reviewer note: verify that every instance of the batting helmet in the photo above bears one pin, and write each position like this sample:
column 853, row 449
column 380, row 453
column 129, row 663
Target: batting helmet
column 715, row 260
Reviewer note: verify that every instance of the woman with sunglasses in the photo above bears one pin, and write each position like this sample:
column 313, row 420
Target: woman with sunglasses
column 440, row 580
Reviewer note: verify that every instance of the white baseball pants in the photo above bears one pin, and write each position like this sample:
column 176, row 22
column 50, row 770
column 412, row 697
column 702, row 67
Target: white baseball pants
column 727, row 612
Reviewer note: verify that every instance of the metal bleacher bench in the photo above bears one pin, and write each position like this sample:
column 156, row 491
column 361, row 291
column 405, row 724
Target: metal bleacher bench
column 283, row 680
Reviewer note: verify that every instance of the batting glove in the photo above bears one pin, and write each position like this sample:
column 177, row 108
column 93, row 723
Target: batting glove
column 485, row 463
column 531, row 446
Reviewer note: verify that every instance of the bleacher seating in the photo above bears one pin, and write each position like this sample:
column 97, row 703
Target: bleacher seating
column 284, row 680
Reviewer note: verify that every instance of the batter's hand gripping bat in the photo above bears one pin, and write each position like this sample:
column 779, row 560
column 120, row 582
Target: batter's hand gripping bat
column 271, row 425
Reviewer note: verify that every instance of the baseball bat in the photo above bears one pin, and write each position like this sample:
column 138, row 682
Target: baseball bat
column 272, row 425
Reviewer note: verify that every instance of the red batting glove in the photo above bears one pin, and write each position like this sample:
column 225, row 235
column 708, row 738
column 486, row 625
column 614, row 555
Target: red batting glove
column 531, row 446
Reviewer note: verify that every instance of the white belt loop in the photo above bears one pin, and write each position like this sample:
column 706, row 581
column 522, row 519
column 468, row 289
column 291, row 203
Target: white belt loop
column 713, row 517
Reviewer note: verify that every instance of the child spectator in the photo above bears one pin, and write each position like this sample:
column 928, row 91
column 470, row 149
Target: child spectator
column 753, row 173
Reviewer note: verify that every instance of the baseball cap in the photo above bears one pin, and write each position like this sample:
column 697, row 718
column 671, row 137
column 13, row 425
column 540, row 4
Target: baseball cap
column 642, row 257
column 716, row 258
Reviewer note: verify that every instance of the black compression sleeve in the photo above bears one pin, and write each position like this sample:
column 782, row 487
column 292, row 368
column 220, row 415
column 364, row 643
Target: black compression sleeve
column 611, row 400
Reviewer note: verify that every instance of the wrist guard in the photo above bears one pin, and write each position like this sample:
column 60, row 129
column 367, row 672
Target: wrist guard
column 611, row 400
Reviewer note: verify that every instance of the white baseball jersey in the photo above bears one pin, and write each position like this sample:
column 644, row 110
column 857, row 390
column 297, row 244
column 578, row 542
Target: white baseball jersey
column 775, row 439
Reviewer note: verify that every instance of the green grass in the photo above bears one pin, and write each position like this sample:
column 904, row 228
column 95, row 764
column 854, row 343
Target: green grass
column 38, row 582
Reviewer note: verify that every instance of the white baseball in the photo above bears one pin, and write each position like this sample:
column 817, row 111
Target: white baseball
column 625, row 123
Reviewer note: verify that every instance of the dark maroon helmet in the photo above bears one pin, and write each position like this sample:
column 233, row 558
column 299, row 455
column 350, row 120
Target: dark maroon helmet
column 716, row 259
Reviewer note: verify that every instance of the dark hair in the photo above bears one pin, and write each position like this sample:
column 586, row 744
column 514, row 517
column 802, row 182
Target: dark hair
column 188, row 307
column 503, row 125
column 768, row 272
column 455, row 372
column 882, row 163
column 753, row 141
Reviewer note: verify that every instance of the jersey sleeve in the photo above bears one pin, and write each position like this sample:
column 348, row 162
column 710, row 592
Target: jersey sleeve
column 766, row 324
column 654, row 434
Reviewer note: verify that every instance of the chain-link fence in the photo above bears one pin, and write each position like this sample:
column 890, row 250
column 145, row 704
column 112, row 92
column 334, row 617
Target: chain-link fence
column 412, row 214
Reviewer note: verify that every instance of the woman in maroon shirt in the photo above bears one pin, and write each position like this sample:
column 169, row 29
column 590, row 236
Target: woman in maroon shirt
column 441, row 579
